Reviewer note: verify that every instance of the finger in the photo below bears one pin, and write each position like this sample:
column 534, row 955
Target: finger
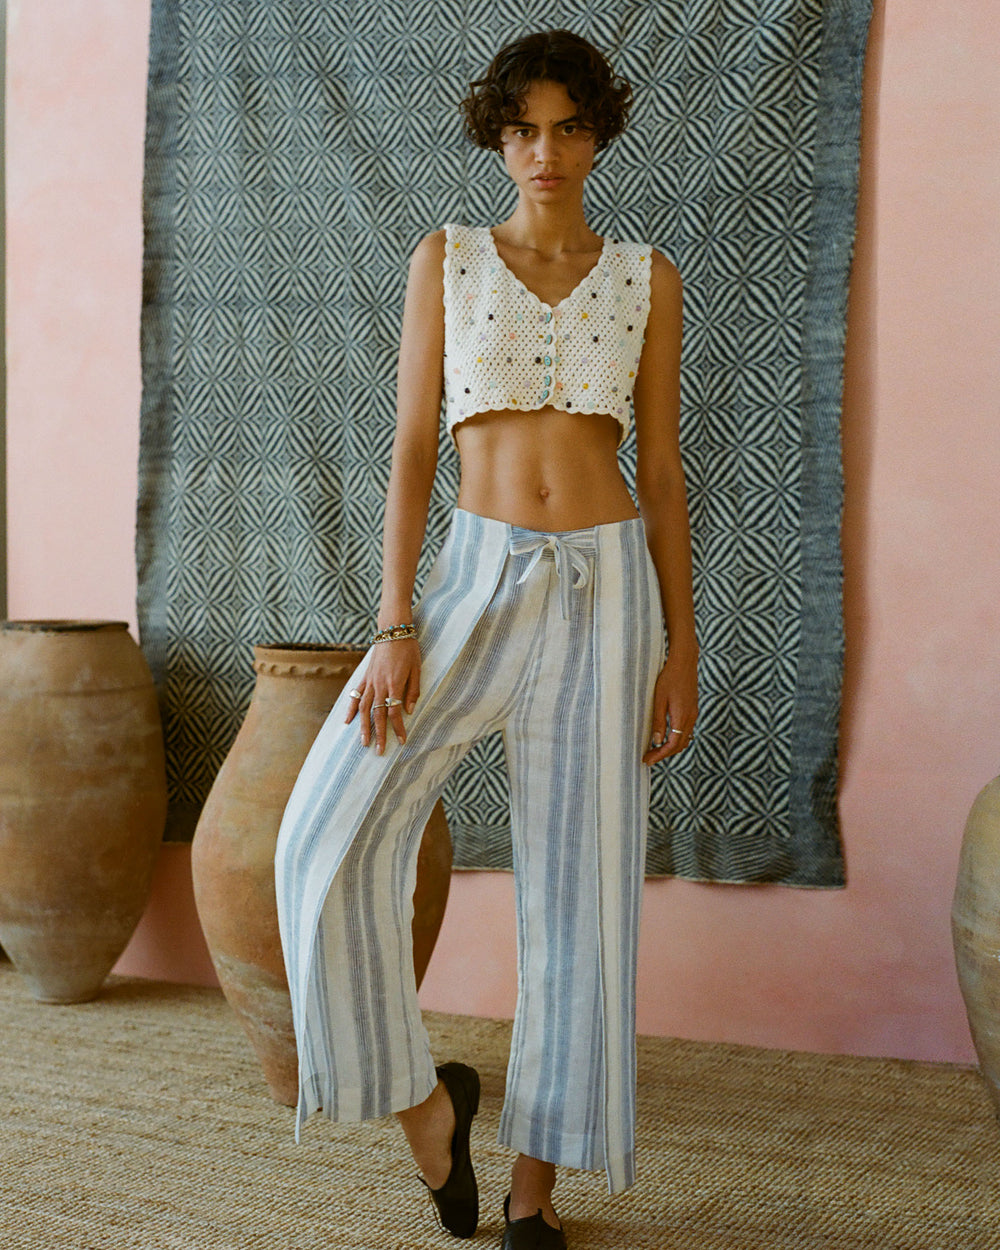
column 671, row 744
column 654, row 755
column 396, row 720
column 674, row 743
column 380, row 725
column 655, row 749
column 412, row 692
column 353, row 702
column 365, row 716
column 659, row 730
column 681, row 739
column 680, row 723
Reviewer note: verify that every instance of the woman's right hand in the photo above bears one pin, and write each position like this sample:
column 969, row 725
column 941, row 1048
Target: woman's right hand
column 392, row 673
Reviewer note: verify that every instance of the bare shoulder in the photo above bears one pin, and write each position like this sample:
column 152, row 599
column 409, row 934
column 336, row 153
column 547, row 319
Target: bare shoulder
column 425, row 283
column 664, row 278
column 429, row 253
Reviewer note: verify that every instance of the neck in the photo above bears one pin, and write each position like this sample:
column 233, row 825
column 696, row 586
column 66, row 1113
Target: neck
column 548, row 228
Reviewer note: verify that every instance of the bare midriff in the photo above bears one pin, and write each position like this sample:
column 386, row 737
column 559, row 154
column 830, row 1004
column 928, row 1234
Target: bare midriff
column 544, row 470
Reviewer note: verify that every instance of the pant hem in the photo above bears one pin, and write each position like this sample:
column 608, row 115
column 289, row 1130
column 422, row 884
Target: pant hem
column 353, row 1106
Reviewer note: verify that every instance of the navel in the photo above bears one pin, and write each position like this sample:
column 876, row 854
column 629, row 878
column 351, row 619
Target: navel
column 544, row 492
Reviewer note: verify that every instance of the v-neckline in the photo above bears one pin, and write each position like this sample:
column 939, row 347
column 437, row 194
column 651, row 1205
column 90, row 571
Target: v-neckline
column 605, row 244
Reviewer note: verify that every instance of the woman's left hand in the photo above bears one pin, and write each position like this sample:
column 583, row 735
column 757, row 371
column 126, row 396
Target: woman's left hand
column 675, row 708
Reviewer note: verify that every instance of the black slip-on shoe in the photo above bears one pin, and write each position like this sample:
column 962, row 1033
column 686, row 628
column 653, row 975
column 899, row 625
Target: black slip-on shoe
column 531, row 1233
column 457, row 1200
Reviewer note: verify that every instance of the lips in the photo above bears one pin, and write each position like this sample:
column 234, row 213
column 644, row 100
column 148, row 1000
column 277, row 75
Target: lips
column 548, row 179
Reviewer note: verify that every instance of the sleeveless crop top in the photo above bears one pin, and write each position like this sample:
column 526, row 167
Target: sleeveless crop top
column 506, row 348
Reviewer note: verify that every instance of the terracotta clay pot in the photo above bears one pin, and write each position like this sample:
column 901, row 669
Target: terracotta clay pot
column 975, row 928
column 233, row 853
column 83, row 800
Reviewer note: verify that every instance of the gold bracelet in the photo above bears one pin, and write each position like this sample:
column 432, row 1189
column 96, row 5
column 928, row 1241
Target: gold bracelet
column 392, row 632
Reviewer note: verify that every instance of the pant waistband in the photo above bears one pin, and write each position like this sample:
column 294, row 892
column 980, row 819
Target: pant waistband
column 571, row 548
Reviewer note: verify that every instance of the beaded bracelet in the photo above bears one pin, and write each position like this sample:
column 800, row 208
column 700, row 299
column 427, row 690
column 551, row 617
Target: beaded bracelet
column 392, row 632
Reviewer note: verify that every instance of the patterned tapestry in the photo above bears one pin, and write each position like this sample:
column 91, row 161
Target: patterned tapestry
column 297, row 150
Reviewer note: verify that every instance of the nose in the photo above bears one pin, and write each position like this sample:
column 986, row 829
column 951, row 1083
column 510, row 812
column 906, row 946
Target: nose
column 545, row 148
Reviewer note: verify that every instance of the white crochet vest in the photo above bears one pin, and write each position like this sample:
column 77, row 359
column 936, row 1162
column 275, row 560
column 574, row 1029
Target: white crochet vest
column 506, row 348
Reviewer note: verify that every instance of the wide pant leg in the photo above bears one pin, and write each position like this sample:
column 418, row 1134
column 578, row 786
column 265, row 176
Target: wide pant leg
column 346, row 859
column 579, row 807
column 345, row 863
column 554, row 1099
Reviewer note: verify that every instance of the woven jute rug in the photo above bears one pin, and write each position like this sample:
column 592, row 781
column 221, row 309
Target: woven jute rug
column 140, row 1120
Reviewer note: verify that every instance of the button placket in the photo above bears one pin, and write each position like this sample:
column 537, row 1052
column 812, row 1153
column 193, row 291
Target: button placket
column 546, row 361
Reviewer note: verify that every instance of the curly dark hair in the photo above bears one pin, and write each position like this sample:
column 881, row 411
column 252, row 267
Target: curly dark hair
column 496, row 100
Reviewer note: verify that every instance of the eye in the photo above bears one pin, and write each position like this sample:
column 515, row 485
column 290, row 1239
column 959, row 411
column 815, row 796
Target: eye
column 570, row 128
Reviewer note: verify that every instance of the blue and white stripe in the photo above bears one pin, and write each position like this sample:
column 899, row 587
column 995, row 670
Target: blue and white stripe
column 554, row 640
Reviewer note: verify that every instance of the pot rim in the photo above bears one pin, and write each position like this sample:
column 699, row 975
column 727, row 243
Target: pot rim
column 61, row 626
column 304, row 659
column 300, row 648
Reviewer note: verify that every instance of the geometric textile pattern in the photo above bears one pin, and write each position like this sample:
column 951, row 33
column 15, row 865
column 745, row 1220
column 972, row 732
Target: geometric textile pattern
column 295, row 154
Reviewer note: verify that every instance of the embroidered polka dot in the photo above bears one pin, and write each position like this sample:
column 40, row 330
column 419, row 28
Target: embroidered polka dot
column 510, row 349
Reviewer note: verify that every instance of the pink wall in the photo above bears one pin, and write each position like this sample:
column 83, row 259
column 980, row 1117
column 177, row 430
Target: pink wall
column 866, row 970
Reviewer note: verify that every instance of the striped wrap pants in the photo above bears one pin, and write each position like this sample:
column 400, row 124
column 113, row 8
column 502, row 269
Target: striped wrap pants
column 554, row 640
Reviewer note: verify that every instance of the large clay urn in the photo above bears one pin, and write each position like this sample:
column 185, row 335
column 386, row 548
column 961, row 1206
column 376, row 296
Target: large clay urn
column 83, row 800
column 234, row 844
column 975, row 926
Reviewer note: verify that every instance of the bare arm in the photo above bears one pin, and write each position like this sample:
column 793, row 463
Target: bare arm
column 415, row 446
column 394, row 670
column 663, row 503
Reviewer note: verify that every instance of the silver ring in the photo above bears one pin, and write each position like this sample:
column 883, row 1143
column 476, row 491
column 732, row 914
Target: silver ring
column 678, row 731
column 354, row 694
column 391, row 702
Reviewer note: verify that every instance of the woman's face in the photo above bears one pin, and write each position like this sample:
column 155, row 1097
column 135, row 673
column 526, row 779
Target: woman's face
column 546, row 151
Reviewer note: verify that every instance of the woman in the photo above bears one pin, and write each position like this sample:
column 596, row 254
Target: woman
column 542, row 618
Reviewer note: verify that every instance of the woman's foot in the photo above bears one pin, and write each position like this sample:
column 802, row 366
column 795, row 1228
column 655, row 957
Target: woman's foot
column 429, row 1128
column 530, row 1233
column 531, row 1184
column 438, row 1131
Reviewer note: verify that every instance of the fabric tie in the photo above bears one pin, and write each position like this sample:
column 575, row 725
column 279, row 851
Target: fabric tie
column 570, row 550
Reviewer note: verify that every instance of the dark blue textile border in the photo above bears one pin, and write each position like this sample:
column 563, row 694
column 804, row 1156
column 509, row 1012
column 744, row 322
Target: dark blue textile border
column 158, row 201
column 813, row 797
column 159, row 204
